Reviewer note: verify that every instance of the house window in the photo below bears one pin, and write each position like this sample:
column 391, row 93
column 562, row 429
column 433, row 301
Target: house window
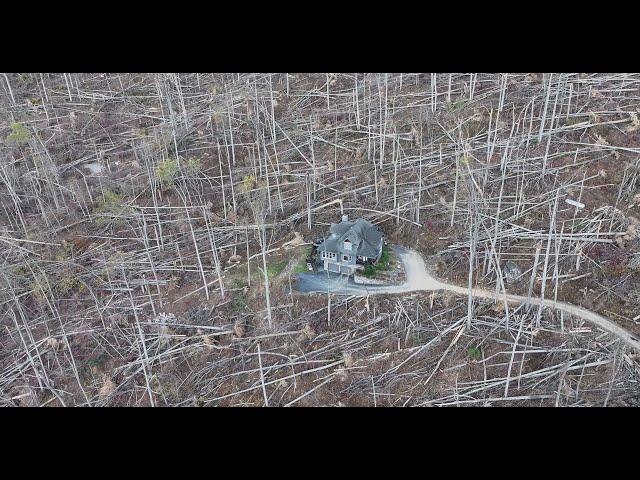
column 346, row 258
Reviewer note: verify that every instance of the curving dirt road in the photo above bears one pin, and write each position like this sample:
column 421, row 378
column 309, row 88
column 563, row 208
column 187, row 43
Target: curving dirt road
column 418, row 278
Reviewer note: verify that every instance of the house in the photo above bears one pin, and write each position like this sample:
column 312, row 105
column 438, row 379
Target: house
column 351, row 246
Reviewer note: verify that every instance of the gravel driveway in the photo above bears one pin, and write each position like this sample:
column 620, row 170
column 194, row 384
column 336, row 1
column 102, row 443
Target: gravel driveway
column 419, row 279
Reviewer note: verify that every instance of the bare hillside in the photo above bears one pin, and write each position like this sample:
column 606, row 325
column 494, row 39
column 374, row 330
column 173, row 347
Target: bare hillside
column 153, row 226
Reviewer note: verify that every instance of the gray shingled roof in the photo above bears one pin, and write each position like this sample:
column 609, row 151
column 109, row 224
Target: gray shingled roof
column 365, row 236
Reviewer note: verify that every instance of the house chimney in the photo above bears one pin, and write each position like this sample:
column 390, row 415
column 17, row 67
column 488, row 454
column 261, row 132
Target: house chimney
column 345, row 218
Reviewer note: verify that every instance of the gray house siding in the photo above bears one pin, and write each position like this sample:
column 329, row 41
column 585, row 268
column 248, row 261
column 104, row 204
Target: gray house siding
column 332, row 267
column 338, row 262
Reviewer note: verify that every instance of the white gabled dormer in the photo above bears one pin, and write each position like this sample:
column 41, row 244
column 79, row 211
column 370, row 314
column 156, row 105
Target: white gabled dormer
column 348, row 246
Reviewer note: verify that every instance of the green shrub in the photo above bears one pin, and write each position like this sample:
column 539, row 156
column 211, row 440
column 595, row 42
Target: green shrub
column 455, row 105
column 239, row 283
column 239, row 303
column 140, row 132
column 382, row 265
column 62, row 284
column 248, row 183
column 109, row 208
column 194, row 165
column 385, row 257
column 369, row 271
column 38, row 288
column 474, row 353
column 66, row 283
column 166, row 172
column 98, row 361
column 19, row 134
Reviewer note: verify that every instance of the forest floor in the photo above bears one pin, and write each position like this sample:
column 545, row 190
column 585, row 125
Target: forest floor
column 152, row 227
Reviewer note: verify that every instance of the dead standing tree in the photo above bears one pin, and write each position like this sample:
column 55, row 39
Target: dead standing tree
column 257, row 199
